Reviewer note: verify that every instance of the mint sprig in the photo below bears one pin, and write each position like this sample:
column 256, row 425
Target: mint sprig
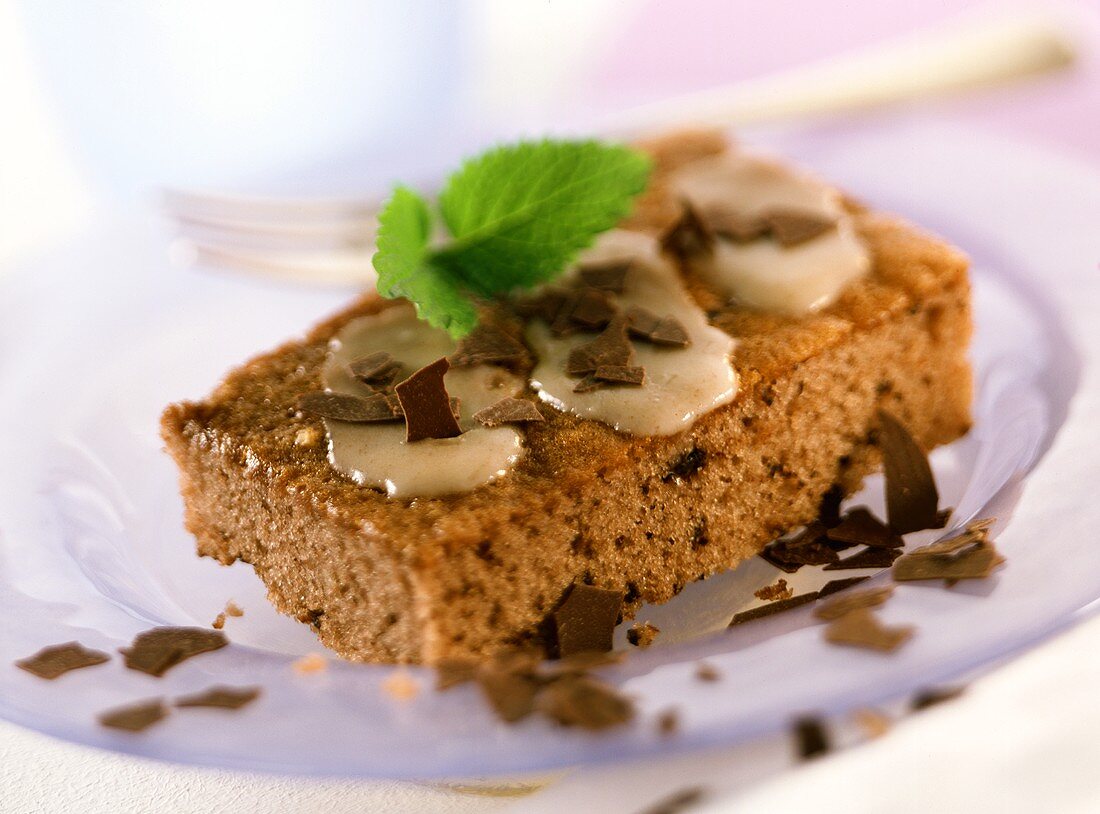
column 517, row 215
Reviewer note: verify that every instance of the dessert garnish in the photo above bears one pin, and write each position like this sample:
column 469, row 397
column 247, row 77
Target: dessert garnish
column 378, row 368
column 970, row 554
column 610, row 348
column 868, row 558
column 678, row 801
column 772, row 608
column 689, row 236
column 231, row 609
column 488, row 345
column 583, row 702
column 811, row 739
column 643, row 324
column 158, row 650
column 833, row 586
column 859, row 527
column 707, row 672
column 51, row 662
column 668, row 723
column 509, row 411
column 923, row 699
column 852, row 601
column 516, row 215
column 220, row 697
column 585, row 619
column 426, row 405
column 135, row 717
column 912, row 501
column 610, row 275
column 861, row 628
column 353, row 409
column 808, row 547
column 642, row 635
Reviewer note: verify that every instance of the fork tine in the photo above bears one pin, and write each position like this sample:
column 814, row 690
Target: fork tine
column 337, row 268
column 249, row 234
column 217, row 206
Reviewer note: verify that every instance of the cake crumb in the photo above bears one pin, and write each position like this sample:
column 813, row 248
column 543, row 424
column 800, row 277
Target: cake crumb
column 642, row 635
column 401, row 686
column 771, row 593
column 233, row 609
column 307, row 437
column 707, row 672
column 310, row 664
column 872, row 723
column 219, row 622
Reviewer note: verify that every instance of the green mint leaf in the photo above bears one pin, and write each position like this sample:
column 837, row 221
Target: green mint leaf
column 406, row 269
column 520, row 213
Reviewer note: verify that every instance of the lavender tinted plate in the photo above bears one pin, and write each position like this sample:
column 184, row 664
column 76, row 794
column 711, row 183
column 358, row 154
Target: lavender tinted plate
column 97, row 337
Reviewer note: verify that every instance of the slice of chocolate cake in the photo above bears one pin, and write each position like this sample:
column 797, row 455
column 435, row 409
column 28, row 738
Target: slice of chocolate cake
column 687, row 393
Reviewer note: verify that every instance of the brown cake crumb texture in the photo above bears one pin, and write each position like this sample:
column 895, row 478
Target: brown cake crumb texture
column 475, row 574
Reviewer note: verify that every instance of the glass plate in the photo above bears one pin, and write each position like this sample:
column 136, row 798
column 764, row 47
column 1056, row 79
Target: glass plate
column 97, row 337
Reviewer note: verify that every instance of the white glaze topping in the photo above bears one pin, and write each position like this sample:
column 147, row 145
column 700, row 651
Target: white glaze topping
column 762, row 273
column 681, row 383
column 377, row 454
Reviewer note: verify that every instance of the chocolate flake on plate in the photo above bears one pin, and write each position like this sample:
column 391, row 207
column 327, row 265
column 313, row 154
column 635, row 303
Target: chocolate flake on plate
column 835, row 585
column 585, row 619
column 342, row 407
column 809, row 547
column 611, row 347
column 772, row 608
column 487, row 345
column 792, row 227
column 707, row 672
column 873, row 723
column 853, row 601
column 861, row 628
column 867, row 558
column 220, row 697
column 923, row 699
column 911, row 497
column 828, row 512
column 379, row 367
column 156, row 651
column 677, row 801
column 642, row 634
column 134, row 717
column 668, row 723
column 511, row 693
column 453, row 672
column 860, row 527
column 51, row 662
column 968, row 555
column 811, row 738
column 607, row 276
column 773, row 593
column 585, row 702
column 426, row 405
column 689, row 236
column 508, row 411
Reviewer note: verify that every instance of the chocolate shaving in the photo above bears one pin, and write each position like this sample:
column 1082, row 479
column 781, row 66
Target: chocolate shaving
column 508, row 411
column 808, row 547
column 772, row 608
column 585, row 702
column 811, row 738
column 544, row 306
column 677, row 801
column 860, row 628
column 158, row 650
column 586, row 618
column 609, row 348
column 835, row 585
column 378, row 367
column 853, row 601
column 487, row 345
column 426, row 405
column 342, row 407
column 593, row 309
column 51, row 662
column 792, row 227
column 923, row 699
column 511, row 693
column 221, row 697
column 620, row 374
column 707, row 672
column 452, row 672
column 134, row 717
column 668, row 723
column 689, row 236
column 645, row 325
column 967, row 555
column 911, row 495
column 860, row 527
column 606, row 276
column 642, row 635
column 867, row 558
column 579, row 663
column 828, row 513
column 735, row 225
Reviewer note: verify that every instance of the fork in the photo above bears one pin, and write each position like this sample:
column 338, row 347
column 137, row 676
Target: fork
column 331, row 241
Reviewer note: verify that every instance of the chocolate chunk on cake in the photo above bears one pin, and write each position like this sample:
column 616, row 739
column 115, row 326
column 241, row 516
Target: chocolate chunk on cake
column 701, row 389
